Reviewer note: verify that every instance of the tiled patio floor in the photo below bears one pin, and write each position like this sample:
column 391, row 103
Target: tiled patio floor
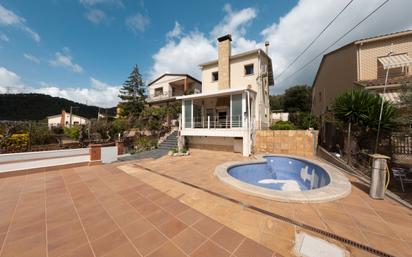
column 380, row 224
column 102, row 211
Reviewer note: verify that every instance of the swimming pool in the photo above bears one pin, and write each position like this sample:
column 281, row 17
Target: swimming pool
column 286, row 178
column 282, row 173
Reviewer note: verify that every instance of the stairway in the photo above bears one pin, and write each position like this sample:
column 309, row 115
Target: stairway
column 170, row 142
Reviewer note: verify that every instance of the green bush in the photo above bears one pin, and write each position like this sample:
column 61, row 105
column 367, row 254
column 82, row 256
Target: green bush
column 16, row 143
column 145, row 143
column 282, row 125
column 72, row 132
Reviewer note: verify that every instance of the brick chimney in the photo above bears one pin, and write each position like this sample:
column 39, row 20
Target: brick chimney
column 63, row 119
column 224, row 52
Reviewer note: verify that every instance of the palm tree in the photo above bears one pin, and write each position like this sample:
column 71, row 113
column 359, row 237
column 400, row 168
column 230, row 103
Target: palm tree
column 349, row 109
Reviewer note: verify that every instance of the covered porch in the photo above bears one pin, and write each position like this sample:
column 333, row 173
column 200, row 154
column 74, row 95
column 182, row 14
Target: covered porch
column 226, row 113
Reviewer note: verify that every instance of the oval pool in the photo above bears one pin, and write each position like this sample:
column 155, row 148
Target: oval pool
column 286, row 178
column 282, row 173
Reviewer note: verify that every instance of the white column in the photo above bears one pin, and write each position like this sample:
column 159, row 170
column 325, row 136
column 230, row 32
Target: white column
column 183, row 115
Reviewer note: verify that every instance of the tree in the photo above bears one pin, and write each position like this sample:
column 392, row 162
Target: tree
column 132, row 94
column 359, row 110
column 298, row 99
column 276, row 102
column 405, row 106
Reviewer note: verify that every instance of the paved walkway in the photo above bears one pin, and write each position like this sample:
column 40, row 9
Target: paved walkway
column 101, row 211
column 152, row 154
column 380, row 224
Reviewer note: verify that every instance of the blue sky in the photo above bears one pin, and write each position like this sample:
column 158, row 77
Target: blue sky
column 84, row 49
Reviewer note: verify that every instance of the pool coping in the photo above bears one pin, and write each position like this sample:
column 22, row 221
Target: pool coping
column 338, row 187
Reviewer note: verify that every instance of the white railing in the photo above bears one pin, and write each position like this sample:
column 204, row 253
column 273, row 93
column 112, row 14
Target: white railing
column 165, row 95
column 215, row 122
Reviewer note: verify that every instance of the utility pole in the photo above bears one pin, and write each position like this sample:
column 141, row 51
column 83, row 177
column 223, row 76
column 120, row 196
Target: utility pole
column 71, row 114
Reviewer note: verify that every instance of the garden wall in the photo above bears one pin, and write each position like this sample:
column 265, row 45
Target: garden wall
column 293, row 142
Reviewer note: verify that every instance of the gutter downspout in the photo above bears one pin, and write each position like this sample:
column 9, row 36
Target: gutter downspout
column 249, row 121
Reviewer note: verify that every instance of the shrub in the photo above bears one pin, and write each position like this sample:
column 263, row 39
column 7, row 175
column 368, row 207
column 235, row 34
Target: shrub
column 16, row 143
column 145, row 143
column 282, row 125
column 72, row 132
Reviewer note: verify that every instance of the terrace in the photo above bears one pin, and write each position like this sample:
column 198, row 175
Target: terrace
column 176, row 207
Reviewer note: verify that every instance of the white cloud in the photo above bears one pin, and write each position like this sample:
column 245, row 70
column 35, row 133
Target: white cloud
column 4, row 37
column 98, row 93
column 31, row 58
column 10, row 82
column 235, row 22
column 288, row 36
column 138, row 22
column 9, row 18
column 64, row 59
column 175, row 32
column 195, row 47
column 293, row 32
column 183, row 56
column 96, row 16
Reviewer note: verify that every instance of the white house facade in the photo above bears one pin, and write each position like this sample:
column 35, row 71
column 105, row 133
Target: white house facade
column 66, row 120
column 234, row 101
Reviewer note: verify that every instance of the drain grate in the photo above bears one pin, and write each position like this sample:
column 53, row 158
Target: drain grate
column 277, row 216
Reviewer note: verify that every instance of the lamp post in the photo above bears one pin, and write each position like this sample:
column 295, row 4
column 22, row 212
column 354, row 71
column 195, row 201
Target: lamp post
column 71, row 114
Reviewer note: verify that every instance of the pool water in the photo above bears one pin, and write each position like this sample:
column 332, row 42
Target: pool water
column 282, row 173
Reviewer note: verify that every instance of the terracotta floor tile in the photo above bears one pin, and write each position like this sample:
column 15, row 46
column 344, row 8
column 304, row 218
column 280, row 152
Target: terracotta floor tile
column 211, row 249
column 167, row 250
column 127, row 218
column 137, row 228
column 188, row 240
column 277, row 243
column 159, row 217
column 147, row 209
column 190, row 216
column 28, row 231
column 109, row 242
column 67, row 229
column 250, row 248
column 125, row 250
column 82, row 251
column 149, row 242
column 66, row 244
column 172, row 227
column 207, row 226
column 97, row 230
column 228, row 239
column 176, row 208
column 29, row 246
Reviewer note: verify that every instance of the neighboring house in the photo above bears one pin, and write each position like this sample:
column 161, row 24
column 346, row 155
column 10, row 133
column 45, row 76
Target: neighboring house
column 167, row 87
column 234, row 101
column 363, row 64
column 64, row 120
column 279, row 116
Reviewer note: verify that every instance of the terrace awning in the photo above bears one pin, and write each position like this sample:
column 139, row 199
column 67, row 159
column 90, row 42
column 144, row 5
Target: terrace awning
column 395, row 61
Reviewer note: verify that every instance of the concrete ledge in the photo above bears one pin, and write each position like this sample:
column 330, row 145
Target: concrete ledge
column 339, row 186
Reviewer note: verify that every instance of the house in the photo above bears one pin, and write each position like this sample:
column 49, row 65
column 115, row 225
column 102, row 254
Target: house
column 364, row 64
column 234, row 101
column 166, row 88
column 66, row 120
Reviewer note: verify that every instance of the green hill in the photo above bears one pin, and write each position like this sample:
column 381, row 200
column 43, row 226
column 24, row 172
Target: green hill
column 17, row 107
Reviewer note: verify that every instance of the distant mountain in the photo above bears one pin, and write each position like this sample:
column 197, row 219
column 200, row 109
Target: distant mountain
column 18, row 107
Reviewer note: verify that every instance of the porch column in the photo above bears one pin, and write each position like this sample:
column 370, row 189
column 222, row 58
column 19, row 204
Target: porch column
column 185, row 86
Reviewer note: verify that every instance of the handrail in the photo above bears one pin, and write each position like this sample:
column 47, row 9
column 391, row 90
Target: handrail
column 215, row 122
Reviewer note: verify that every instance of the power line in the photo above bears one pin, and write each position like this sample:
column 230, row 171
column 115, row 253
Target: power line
column 340, row 38
column 314, row 40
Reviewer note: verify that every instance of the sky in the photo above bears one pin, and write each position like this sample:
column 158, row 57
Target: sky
column 83, row 50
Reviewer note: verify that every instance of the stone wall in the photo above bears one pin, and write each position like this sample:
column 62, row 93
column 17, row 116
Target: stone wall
column 293, row 142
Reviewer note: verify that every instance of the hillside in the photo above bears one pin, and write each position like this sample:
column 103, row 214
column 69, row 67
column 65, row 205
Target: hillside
column 39, row 106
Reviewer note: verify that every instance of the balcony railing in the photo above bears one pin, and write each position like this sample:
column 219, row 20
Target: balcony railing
column 215, row 122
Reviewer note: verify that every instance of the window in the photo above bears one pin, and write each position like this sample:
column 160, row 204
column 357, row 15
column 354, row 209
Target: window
column 158, row 91
column 215, row 76
column 249, row 69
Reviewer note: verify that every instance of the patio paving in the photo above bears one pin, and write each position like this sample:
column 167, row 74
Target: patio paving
column 102, row 211
column 380, row 224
